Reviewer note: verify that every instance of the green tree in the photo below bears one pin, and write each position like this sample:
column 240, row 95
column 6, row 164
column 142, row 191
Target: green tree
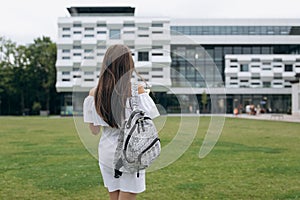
column 42, row 60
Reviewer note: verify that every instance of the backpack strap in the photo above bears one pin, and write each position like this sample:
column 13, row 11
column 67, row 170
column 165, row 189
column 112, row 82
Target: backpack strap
column 134, row 95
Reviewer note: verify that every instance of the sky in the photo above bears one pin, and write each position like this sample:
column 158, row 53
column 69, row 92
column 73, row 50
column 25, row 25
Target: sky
column 23, row 21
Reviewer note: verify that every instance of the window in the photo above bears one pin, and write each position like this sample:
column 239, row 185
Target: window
column 101, row 32
column 244, row 68
column 76, row 69
column 233, row 60
column 267, row 84
column 233, row 78
column 88, row 80
column 76, row 76
column 65, row 73
column 157, row 69
column 66, row 50
column 89, row 28
column 255, row 60
column 288, row 68
column 77, row 32
column 143, row 73
column 65, row 79
column 77, row 47
column 255, row 66
column 277, row 66
column 66, row 57
column 141, row 28
column 76, row 25
column 266, row 68
column 143, row 35
column 244, row 81
column 76, row 54
column 233, row 66
column 66, row 29
column 89, row 57
column 88, row 73
column 157, row 25
column 157, row 32
column 101, row 47
column 66, row 36
column 89, row 35
column 157, row 76
column 101, row 25
column 114, row 34
column 157, row 54
column 157, row 47
column 88, row 50
column 277, row 60
column 128, row 32
column 143, row 56
column 129, row 24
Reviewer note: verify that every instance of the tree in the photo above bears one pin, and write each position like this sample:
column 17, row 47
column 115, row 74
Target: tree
column 43, row 58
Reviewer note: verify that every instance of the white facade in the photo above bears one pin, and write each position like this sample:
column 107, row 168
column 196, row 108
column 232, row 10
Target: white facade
column 248, row 76
column 296, row 98
column 83, row 40
column 261, row 71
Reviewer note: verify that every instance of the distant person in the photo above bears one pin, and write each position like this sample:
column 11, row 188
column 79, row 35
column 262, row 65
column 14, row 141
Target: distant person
column 107, row 106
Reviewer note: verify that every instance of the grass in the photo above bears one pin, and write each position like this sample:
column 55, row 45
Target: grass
column 44, row 158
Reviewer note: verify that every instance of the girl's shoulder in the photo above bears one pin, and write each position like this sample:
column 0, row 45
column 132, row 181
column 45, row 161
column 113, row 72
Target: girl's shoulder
column 92, row 91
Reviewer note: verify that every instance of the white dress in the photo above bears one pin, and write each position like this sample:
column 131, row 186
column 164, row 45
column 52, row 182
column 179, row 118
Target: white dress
column 108, row 143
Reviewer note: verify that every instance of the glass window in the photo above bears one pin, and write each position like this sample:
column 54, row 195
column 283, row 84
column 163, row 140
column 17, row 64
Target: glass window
column 266, row 84
column 157, row 69
column 66, row 36
column 89, row 28
column 114, row 34
column 101, row 25
column 66, row 28
column 65, row 73
column 88, row 50
column 244, row 68
column 76, row 25
column 129, row 24
column 89, row 35
column 76, row 47
column 143, row 56
column 157, row 47
column 157, row 76
column 143, row 28
column 77, row 32
column 88, row 73
column 157, row 25
column 66, row 50
column 288, row 68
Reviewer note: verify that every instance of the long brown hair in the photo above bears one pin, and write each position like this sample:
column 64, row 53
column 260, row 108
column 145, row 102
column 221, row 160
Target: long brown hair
column 114, row 86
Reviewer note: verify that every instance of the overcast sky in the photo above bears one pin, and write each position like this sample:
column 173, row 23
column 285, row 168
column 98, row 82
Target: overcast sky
column 22, row 21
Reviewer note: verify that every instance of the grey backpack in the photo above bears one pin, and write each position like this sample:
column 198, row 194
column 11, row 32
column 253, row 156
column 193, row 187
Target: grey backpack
column 138, row 143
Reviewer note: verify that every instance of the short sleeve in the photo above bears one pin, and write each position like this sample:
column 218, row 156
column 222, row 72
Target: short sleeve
column 147, row 104
column 89, row 112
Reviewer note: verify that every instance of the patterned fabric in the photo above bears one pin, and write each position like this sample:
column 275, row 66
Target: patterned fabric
column 138, row 143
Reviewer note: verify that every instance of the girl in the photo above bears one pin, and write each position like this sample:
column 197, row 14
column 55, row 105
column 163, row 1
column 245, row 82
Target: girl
column 107, row 106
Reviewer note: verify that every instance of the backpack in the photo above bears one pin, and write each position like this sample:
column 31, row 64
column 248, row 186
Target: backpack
column 138, row 142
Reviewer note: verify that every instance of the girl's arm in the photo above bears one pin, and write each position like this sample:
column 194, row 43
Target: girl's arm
column 94, row 129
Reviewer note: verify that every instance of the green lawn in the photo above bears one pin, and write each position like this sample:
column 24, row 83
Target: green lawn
column 43, row 158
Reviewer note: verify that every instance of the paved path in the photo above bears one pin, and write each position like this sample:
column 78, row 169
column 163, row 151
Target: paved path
column 273, row 117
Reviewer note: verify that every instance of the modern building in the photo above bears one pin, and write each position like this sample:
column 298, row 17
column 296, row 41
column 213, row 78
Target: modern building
column 254, row 59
